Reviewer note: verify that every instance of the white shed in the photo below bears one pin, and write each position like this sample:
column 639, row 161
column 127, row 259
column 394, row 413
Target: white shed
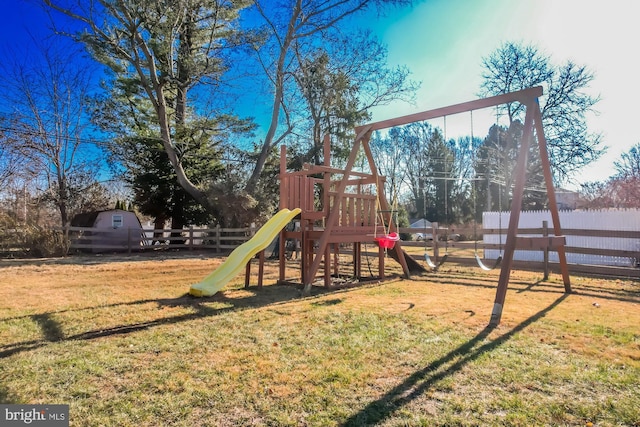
column 110, row 230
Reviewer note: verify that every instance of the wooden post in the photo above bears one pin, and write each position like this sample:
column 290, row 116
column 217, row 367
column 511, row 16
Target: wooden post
column 247, row 274
column 304, row 262
column 191, row 237
column 516, row 207
column 284, row 183
column 282, row 262
column 551, row 194
column 327, row 267
column 260, row 268
column 218, row 238
column 545, row 233
column 357, row 265
column 434, row 235
column 284, row 192
column 381, row 262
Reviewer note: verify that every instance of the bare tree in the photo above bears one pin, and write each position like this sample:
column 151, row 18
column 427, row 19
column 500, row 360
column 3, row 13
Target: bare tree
column 597, row 195
column 290, row 24
column 629, row 163
column 10, row 162
column 47, row 89
column 621, row 190
column 162, row 50
column 341, row 81
column 389, row 151
column 564, row 106
column 626, row 182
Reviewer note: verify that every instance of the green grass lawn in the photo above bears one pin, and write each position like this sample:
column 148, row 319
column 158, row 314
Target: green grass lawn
column 121, row 343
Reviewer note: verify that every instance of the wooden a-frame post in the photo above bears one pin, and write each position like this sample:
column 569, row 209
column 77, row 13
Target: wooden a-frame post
column 533, row 115
column 532, row 126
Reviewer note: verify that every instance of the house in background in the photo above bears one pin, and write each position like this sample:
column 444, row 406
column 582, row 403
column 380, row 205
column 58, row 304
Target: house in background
column 111, row 230
column 426, row 229
column 567, row 200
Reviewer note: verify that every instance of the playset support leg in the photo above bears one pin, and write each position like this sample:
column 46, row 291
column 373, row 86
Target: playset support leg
column 247, row 270
column 381, row 263
column 516, row 203
column 551, row 194
column 357, row 260
column 260, row 268
column 247, row 274
column 545, row 233
column 327, row 267
column 281, row 258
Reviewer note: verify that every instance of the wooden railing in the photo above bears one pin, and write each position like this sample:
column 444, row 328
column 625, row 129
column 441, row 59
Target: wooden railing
column 226, row 239
column 132, row 239
column 601, row 251
column 628, row 267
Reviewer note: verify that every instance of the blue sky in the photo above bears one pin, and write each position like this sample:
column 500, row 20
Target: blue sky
column 442, row 42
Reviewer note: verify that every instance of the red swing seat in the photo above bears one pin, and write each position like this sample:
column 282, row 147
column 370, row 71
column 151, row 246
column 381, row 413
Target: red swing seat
column 388, row 241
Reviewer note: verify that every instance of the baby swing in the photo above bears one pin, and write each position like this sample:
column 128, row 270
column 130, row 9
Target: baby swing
column 389, row 239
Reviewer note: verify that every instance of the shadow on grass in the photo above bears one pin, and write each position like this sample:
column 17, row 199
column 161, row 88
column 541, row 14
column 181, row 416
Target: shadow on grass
column 327, row 303
column 110, row 258
column 421, row 381
column 626, row 294
column 6, row 397
column 50, row 327
column 52, row 330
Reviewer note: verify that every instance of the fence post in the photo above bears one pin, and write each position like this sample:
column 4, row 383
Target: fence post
column 545, row 233
column 435, row 236
column 191, row 237
column 217, row 237
column 66, row 239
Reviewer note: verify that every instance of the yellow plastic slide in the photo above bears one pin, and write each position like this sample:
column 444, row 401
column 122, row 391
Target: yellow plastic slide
column 243, row 254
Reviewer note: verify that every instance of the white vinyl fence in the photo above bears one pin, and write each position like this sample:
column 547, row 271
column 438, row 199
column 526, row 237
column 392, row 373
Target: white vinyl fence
column 596, row 231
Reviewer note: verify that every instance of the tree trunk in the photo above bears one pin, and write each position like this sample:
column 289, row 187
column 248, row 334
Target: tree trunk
column 267, row 145
column 177, row 218
column 250, row 188
column 158, row 224
column 62, row 200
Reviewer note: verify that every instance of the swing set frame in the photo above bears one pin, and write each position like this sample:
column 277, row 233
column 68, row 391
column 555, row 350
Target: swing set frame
column 532, row 130
column 336, row 209
column 339, row 206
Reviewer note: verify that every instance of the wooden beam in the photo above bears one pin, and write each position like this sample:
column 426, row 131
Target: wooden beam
column 524, row 96
column 551, row 194
column 516, row 207
column 320, row 169
column 335, row 213
column 384, row 206
column 552, row 243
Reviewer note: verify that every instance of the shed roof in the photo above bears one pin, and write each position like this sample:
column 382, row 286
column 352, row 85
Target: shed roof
column 421, row 223
column 88, row 219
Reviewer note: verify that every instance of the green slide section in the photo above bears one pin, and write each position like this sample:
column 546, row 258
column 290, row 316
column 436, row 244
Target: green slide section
column 241, row 255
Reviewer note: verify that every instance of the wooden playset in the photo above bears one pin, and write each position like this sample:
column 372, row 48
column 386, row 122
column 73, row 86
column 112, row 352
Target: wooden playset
column 346, row 206
column 339, row 207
